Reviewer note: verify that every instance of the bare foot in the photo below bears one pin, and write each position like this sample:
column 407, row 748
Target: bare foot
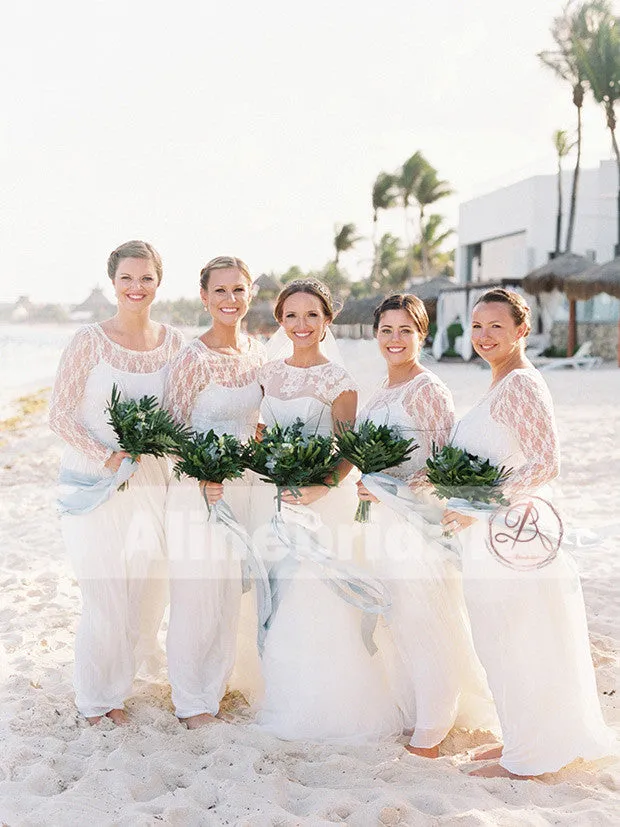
column 408, row 732
column 94, row 720
column 423, row 752
column 497, row 771
column 489, row 753
column 196, row 721
column 118, row 716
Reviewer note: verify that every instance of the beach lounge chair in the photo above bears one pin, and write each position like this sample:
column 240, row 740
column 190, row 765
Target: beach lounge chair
column 582, row 358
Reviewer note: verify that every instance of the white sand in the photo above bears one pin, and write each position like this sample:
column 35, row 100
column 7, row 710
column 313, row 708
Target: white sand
column 56, row 770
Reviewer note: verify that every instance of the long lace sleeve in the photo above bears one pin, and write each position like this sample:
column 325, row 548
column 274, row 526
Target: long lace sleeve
column 431, row 409
column 523, row 404
column 77, row 361
column 187, row 377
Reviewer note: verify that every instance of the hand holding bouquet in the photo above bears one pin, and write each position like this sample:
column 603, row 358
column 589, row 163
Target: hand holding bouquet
column 142, row 427
column 372, row 448
column 210, row 458
column 291, row 459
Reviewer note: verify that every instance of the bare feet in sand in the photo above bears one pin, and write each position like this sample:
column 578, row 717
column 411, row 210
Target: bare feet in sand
column 423, row 752
column 497, row 771
column 488, row 753
column 119, row 716
column 196, row 721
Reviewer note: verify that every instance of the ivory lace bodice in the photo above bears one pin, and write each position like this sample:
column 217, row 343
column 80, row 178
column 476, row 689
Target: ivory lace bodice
column 210, row 390
column 90, row 365
column 422, row 409
column 308, row 394
column 514, row 425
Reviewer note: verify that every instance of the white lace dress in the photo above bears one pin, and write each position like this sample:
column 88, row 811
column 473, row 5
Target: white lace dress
column 117, row 550
column 320, row 681
column 529, row 627
column 436, row 675
column 207, row 390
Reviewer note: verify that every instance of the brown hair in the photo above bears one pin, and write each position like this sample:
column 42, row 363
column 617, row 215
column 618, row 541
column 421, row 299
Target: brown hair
column 313, row 287
column 519, row 309
column 134, row 249
column 223, row 263
column 410, row 304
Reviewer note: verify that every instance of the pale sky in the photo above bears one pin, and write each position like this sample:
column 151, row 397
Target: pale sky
column 250, row 129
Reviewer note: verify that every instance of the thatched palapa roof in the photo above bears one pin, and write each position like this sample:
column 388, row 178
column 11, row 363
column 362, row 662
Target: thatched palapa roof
column 95, row 302
column 600, row 278
column 552, row 274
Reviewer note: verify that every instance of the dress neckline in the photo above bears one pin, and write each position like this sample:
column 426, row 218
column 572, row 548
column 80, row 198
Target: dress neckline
column 212, row 350
column 131, row 350
column 309, row 367
column 406, row 382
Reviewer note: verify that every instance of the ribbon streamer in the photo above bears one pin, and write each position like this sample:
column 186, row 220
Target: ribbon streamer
column 354, row 586
column 82, row 493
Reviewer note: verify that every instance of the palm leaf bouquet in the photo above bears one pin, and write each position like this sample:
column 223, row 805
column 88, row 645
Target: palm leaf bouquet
column 290, row 459
column 372, row 448
column 457, row 474
column 143, row 427
column 210, row 458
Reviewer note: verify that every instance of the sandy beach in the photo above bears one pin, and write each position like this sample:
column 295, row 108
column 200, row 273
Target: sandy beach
column 57, row 770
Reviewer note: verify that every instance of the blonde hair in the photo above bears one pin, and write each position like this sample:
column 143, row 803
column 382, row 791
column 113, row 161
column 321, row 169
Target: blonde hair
column 224, row 263
column 134, row 249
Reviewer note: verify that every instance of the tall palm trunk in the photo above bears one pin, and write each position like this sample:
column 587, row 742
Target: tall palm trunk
column 611, row 123
column 558, row 220
column 578, row 101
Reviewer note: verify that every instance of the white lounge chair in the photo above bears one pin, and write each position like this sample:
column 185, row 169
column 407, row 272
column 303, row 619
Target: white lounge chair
column 582, row 358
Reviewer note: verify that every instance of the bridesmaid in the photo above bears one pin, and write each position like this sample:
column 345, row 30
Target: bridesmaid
column 529, row 627
column 438, row 675
column 116, row 548
column 212, row 385
column 320, row 681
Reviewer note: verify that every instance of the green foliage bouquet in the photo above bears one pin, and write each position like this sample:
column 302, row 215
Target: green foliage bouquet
column 210, row 458
column 372, row 448
column 291, row 459
column 142, row 427
column 457, row 474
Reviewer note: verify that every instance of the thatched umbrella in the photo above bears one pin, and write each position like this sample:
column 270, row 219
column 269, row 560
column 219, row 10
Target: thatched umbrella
column 552, row 275
column 600, row 278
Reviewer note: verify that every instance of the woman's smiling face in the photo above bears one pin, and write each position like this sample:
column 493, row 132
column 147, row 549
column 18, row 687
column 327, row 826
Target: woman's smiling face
column 304, row 320
column 398, row 337
column 227, row 297
column 494, row 335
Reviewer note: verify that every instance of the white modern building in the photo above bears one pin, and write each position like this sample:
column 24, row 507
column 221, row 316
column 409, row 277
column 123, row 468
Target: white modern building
column 507, row 233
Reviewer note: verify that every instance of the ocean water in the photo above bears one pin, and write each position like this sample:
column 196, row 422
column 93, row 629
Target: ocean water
column 29, row 356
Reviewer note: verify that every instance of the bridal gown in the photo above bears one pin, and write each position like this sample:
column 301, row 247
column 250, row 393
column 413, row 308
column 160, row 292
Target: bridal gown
column 207, row 390
column 320, row 681
column 117, row 550
column 529, row 626
column 436, row 675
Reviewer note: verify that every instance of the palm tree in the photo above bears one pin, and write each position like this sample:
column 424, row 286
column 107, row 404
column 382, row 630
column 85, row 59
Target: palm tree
column 563, row 61
column 345, row 237
column 384, row 196
column 407, row 180
column 429, row 190
column 599, row 60
column 562, row 147
column 434, row 236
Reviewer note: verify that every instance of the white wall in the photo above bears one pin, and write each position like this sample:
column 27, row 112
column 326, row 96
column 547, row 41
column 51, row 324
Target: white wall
column 516, row 224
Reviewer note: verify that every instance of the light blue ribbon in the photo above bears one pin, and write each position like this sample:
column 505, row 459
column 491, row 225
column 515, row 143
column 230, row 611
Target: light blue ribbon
column 252, row 566
column 85, row 493
column 397, row 495
column 354, row 586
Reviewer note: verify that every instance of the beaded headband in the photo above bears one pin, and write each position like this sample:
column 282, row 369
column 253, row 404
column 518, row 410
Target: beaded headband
column 317, row 285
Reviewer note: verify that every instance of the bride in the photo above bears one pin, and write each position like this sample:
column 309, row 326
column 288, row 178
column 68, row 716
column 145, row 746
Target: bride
column 320, row 681
column 529, row 626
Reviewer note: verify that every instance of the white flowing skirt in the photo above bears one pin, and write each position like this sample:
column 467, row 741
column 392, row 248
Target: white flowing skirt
column 321, row 683
column 436, row 677
column 529, row 629
column 117, row 552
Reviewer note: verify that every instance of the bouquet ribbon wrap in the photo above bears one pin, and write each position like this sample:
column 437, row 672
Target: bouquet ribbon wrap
column 252, row 566
column 397, row 495
column 82, row 493
column 354, row 586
